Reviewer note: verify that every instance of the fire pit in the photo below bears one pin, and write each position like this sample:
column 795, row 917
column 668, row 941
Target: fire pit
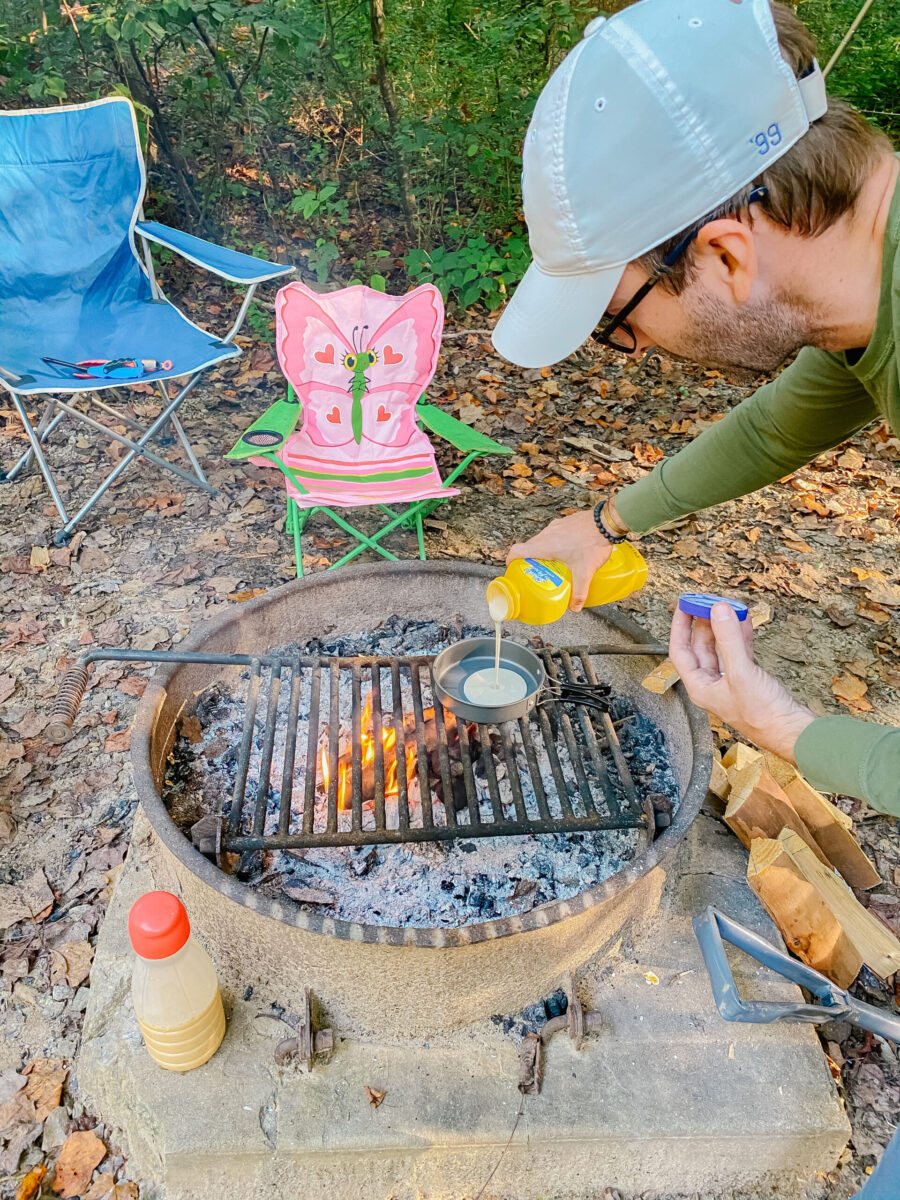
column 436, row 977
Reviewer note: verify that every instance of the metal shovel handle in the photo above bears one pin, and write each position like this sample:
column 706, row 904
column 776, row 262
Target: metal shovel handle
column 713, row 928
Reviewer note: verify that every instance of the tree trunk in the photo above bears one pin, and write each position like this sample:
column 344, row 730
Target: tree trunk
column 389, row 100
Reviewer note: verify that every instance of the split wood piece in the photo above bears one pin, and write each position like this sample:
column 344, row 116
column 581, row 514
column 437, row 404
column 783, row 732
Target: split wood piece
column 661, row 678
column 788, row 777
column 758, row 808
column 664, row 676
column 808, row 924
column 718, row 782
column 827, row 825
column 871, row 938
column 737, row 756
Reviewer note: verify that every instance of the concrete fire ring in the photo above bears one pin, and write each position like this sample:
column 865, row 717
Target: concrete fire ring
column 402, row 981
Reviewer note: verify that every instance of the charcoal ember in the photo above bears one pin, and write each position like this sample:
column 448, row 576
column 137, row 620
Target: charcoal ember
column 557, row 1004
column 363, row 860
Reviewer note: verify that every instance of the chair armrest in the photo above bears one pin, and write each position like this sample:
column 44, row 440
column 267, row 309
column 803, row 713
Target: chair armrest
column 462, row 437
column 229, row 264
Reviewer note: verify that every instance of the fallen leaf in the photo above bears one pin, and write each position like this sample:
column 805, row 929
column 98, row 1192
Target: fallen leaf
column 753, row 535
column 850, row 690
column 17, row 1111
column 248, row 594
column 7, row 687
column 374, row 1095
column 554, row 481
column 646, row 454
column 46, row 1077
column 30, row 1186
column 71, row 963
column 105, row 1187
column 40, row 557
column 797, row 547
column 153, row 638
column 870, row 613
column 118, row 743
column 650, row 977
column 30, row 898
column 81, row 1152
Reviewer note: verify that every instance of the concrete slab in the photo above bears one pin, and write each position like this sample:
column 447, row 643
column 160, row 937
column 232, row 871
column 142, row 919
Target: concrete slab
column 667, row 1096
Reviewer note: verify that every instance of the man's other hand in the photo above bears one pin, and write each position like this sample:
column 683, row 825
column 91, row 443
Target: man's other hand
column 574, row 540
column 715, row 661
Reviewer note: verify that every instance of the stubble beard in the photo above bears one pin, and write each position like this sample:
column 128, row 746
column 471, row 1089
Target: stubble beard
column 760, row 335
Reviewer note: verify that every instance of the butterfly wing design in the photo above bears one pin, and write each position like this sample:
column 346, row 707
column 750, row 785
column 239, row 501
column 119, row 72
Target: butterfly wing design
column 406, row 343
column 312, row 342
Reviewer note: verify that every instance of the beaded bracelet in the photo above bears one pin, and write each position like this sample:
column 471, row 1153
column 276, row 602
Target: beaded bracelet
column 614, row 538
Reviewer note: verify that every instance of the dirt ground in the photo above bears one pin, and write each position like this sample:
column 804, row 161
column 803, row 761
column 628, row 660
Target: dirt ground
column 156, row 559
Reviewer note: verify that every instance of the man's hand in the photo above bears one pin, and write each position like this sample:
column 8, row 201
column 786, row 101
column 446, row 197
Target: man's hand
column 574, row 540
column 715, row 661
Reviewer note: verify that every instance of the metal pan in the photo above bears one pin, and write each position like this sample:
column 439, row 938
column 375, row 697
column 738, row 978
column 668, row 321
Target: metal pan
column 453, row 666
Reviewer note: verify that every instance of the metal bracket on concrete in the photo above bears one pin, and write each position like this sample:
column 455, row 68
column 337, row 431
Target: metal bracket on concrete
column 578, row 1021
column 308, row 1045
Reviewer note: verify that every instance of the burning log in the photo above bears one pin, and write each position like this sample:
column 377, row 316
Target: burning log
column 390, row 758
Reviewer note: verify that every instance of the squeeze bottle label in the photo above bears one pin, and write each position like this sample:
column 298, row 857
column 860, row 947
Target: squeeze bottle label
column 542, row 573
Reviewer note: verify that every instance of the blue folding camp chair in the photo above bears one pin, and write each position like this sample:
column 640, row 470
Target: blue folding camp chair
column 75, row 289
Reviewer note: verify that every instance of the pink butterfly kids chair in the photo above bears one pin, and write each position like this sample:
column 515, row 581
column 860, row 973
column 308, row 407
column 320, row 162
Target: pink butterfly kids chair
column 357, row 362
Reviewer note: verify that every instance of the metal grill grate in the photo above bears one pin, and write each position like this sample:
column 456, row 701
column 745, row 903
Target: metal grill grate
column 306, row 776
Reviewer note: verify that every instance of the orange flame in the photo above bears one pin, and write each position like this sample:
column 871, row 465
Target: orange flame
column 367, row 755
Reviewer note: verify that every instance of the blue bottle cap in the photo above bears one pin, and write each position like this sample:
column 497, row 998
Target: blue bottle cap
column 699, row 604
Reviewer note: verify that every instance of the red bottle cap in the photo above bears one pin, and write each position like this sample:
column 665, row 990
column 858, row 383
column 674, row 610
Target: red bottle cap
column 158, row 925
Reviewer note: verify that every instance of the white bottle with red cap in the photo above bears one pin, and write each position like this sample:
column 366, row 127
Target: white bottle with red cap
column 174, row 986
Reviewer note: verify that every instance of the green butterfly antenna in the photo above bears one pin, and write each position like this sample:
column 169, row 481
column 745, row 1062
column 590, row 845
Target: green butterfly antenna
column 269, row 432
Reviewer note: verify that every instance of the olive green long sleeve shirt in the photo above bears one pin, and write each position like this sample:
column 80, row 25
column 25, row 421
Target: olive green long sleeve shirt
column 817, row 402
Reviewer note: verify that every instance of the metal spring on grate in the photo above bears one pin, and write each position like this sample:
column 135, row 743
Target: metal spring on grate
column 65, row 707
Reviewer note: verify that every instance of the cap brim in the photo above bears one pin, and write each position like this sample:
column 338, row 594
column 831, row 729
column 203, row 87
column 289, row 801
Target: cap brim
column 549, row 316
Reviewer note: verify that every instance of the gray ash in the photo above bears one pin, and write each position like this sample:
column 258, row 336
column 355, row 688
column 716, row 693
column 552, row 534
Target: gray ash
column 419, row 884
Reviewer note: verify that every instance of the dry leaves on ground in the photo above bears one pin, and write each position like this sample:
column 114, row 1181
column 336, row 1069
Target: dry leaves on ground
column 46, row 1077
column 29, row 899
column 71, row 963
column 80, row 1154
column 375, row 1096
column 105, row 1187
column 851, row 690
column 30, row 1186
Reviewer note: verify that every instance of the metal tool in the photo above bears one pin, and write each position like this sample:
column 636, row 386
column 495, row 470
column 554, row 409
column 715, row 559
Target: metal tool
column 713, row 928
column 587, row 786
column 111, row 368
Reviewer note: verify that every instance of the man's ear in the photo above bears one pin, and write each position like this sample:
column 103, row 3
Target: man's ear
column 725, row 256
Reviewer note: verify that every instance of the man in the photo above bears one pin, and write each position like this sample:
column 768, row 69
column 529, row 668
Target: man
column 688, row 185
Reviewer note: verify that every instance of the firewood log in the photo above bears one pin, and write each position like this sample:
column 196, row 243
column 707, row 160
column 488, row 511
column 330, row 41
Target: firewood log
column 809, row 926
column 829, row 826
column 758, row 808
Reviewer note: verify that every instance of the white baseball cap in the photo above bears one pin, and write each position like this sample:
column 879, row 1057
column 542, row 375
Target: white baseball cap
column 658, row 115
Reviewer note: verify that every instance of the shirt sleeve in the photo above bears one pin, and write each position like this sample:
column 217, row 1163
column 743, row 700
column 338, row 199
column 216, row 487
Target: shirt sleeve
column 813, row 405
column 855, row 758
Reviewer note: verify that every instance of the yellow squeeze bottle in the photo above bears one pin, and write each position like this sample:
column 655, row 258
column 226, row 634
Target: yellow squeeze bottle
column 537, row 591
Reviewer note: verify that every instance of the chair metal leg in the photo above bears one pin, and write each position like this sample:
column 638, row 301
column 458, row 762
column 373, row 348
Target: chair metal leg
column 295, row 526
column 175, row 422
column 44, row 429
column 39, row 455
column 138, row 450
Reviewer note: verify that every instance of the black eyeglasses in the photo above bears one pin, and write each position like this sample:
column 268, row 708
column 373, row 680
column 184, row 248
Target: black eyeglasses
column 615, row 331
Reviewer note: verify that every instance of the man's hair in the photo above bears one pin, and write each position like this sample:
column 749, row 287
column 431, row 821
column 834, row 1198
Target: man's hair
column 813, row 184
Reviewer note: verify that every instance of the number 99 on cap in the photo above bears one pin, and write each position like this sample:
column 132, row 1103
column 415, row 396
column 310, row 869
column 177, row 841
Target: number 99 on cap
column 699, row 604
